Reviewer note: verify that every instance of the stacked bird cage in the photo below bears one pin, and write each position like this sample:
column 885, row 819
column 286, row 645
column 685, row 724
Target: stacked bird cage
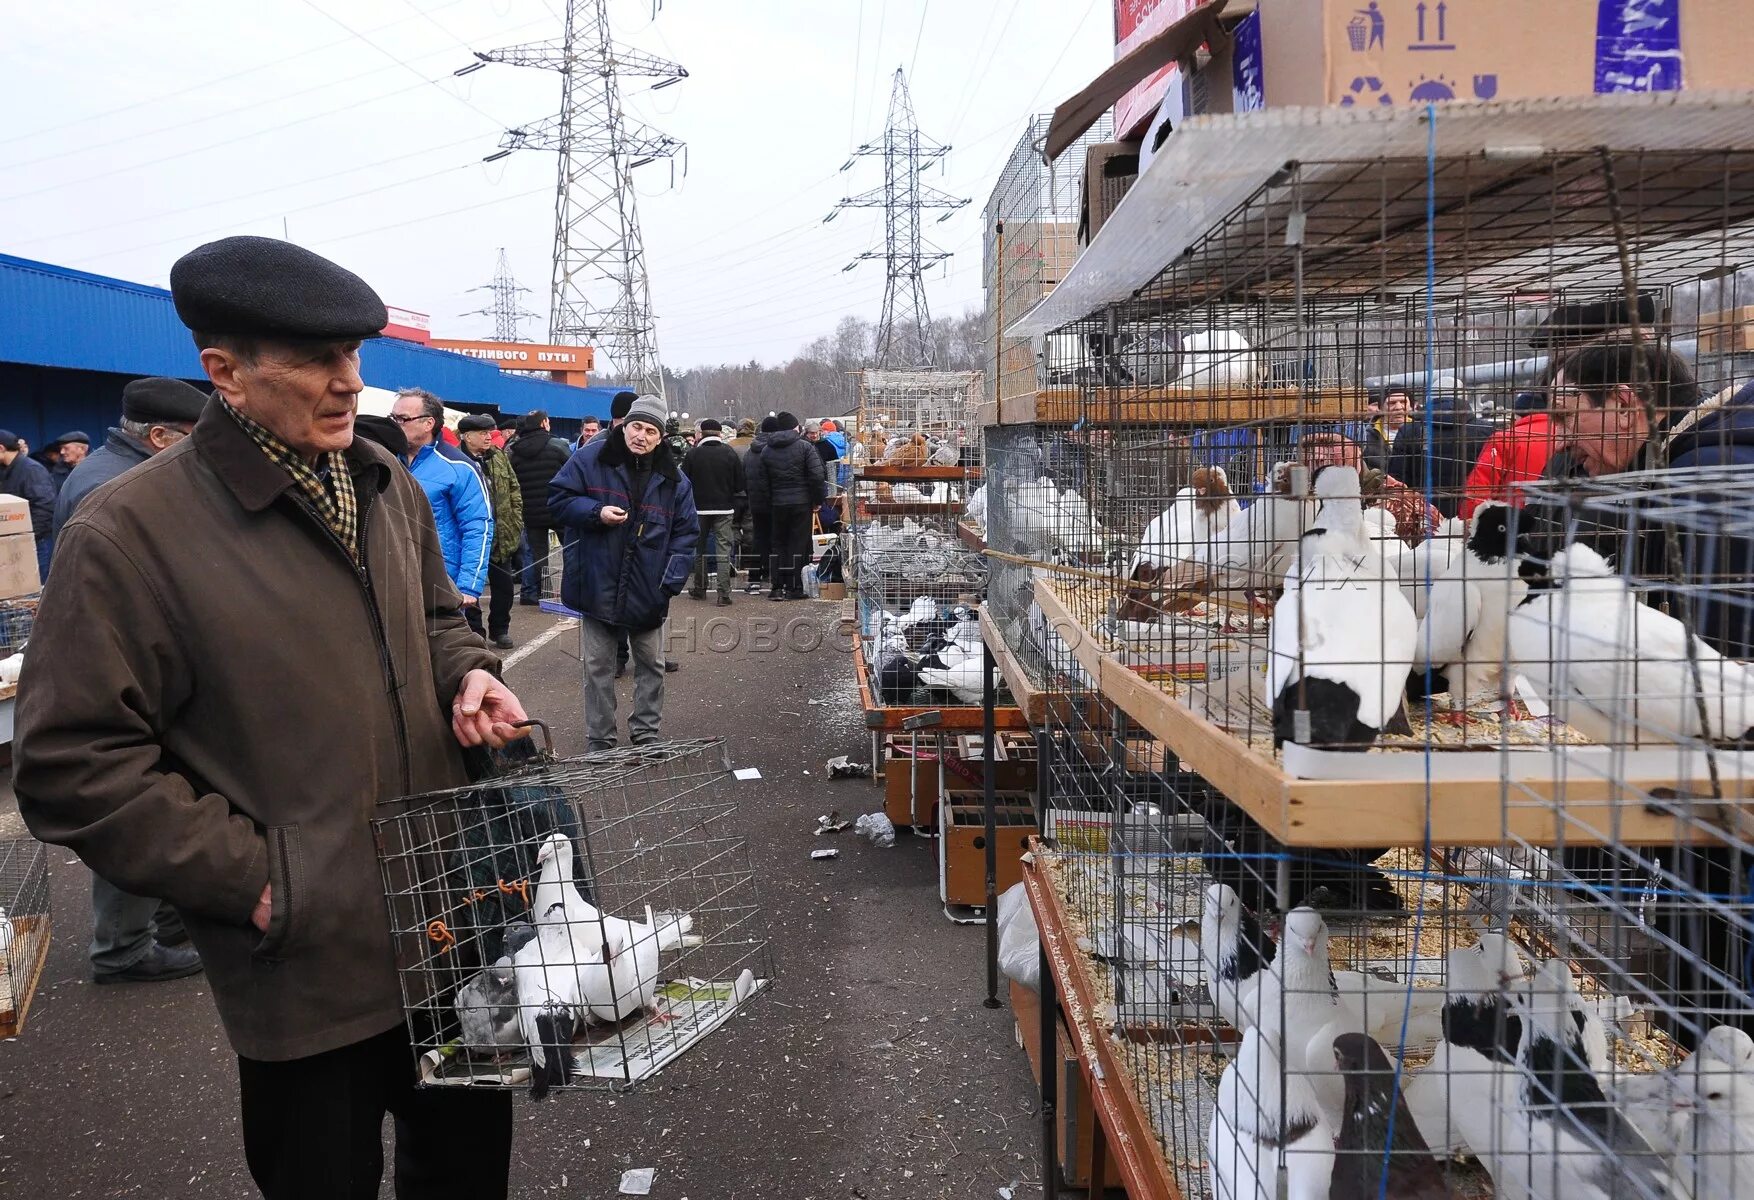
column 574, row 923
column 1031, row 224
column 916, row 418
column 24, row 928
column 17, row 618
column 917, row 587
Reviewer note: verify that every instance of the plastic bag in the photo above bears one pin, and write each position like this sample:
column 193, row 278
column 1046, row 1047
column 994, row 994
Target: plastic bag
column 845, row 768
column 876, row 827
column 1019, row 943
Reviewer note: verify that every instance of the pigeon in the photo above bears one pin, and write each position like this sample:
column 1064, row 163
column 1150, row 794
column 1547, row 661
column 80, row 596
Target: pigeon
column 617, row 958
column 924, row 608
column 1617, row 670
column 1343, row 636
column 1233, row 949
column 1462, row 637
column 965, row 680
column 1480, row 1038
column 1265, row 1117
column 1371, row 1158
column 1546, row 1130
column 6, row 933
column 1218, row 359
column 550, row 1002
column 1200, row 510
column 1254, row 550
column 1714, row 1156
column 1298, row 1004
column 487, row 1002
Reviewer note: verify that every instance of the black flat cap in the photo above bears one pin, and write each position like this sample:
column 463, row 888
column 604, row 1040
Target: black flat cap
column 475, row 423
column 160, row 400
column 1571, row 324
column 75, row 435
column 261, row 287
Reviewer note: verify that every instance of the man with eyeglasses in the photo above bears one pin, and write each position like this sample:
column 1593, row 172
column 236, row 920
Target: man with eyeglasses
column 460, row 507
column 135, row 939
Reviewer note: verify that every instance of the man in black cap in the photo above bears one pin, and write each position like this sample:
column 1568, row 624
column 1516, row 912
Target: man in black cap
column 156, row 415
column 25, row 477
column 506, row 500
column 269, row 648
column 63, row 454
column 758, row 545
column 794, row 481
column 536, row 456
column 716, row 473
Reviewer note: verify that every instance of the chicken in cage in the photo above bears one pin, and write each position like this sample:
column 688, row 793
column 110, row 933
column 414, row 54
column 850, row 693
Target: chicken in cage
column 572, row 923
column 24, row 928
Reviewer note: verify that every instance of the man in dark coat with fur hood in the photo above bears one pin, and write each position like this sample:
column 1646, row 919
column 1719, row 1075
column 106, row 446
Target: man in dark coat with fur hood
column 629, row 527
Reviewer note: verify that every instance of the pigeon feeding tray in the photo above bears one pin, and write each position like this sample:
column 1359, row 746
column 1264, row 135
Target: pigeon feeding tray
column 491, row 932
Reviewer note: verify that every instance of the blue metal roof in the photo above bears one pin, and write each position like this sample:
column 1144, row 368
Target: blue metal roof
column 57, row 317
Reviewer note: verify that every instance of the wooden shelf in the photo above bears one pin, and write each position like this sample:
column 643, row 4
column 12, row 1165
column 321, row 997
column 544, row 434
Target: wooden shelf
column 1194, row 407
column 902, row 473
column 888, row 717
column 1576, row 810
column 908, row 508
column 971, row 537
column 1031, row 700
column 1131, row 1142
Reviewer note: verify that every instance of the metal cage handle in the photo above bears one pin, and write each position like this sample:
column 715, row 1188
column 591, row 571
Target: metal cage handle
column 547, row 745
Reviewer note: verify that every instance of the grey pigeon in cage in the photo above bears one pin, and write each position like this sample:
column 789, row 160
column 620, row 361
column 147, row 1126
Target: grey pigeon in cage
column 1234, row 949
column 487, row 1002
column 1619, row 671
column 1462, row 639
column 1264, row 1116
column 1545, row 1130
column 1380, row 1151
column 1700, row 1113
column 1343, row 636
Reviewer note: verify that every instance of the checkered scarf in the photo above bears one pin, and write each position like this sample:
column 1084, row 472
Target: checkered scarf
column 327, row 488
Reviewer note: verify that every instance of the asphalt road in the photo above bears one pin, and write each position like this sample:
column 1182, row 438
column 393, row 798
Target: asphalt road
column 870, row 1070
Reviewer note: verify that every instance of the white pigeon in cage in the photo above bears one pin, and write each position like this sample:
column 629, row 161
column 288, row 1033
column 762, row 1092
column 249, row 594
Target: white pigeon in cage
column 1255, row 549
column 1343, row 636
column 1300, row 1008
column 550, row 997
column 1199, row 512
column 1234, row 950
column 1462, row 636
column 1547, row 1131
column 975, row 509
column 1220, row 358
column 965, row 680
column 1471, row 1064
column 923, row 609
column 1700, row 1113
column 1617, row 670
column 1264, row 1116
column 6, row 933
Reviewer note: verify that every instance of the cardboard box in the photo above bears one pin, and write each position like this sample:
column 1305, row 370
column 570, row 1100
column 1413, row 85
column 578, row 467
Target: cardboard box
column 14, row 516
column 1110, row 168
column 18, row 566
column 1727, row 332
column 1074, row 1114
column 831, row 591
column 1397, row 52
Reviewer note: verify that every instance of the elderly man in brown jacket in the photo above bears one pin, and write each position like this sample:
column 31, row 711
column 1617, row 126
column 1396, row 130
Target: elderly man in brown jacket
column 268, row 647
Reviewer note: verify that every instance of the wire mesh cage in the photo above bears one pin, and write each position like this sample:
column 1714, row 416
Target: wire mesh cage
column 17, row 618
column 1031, row 223
column 917, row 587
column 916, row 418
column 24, row 928
column 574, row 923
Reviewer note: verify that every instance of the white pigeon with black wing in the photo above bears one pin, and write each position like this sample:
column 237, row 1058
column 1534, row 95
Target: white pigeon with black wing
column 1265, row 1116
column 1617, row 670
column 1234, row 950
column 1462, row 636
column 1471, row 1066
column 1343, row 636
column 964, row 679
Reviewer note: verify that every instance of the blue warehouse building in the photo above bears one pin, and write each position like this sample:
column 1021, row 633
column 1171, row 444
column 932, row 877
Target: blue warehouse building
column 69, row 340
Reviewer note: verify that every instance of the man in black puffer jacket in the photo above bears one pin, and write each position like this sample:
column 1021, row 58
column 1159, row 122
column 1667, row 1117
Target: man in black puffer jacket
column 537, row 456
column 757, row 546
column 794, row 482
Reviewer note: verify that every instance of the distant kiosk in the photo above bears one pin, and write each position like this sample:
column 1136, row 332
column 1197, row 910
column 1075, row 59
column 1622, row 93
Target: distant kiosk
column 563, row 364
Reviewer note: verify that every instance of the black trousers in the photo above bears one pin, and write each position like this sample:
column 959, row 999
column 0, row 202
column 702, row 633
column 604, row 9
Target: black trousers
column 313, row 1127
column 501, row 589
column 755, row 558
column 790, row 545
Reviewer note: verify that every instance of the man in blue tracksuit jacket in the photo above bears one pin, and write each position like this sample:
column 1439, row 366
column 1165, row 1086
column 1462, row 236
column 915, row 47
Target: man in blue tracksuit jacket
column 459, row 501
column 627, row 520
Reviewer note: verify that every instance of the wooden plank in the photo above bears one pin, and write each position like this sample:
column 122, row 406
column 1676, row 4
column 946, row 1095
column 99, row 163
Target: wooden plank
column 1031, row 701
column 889, row 717
column 1131, row 1140
column 1018, row 410
column 1578, row 809
column 905, row 473
column 1195, row 406
column 971, row 537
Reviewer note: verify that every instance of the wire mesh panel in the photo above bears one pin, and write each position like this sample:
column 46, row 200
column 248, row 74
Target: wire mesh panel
column 1031, row 224
column 17, row 618
column 916, row 418
column 917, row 588
column 24, row 928
column 576, row 923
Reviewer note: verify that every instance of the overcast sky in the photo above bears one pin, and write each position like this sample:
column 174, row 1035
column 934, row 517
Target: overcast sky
column 137, row 129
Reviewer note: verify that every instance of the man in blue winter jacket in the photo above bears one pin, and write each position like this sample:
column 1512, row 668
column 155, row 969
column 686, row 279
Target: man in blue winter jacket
column 629, row 526
column 459, row 501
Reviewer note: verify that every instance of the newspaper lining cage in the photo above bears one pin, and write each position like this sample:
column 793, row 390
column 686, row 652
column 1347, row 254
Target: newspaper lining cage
column 600, row 910
column 24, row 928
column 1536, row 907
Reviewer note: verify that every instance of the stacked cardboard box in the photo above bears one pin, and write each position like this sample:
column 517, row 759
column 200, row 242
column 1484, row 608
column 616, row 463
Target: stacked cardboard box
column 18, row 550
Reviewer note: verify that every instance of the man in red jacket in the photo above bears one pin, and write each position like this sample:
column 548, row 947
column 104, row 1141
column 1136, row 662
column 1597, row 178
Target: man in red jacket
column 1511, row 456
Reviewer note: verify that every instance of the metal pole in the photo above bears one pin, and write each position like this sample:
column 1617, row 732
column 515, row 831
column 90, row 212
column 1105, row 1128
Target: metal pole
column 1050, row 1078
column 989, row 698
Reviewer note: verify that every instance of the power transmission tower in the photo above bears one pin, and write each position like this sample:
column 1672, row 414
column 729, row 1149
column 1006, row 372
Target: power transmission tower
column 600, row 294
column 904, row 337
column 506, row 311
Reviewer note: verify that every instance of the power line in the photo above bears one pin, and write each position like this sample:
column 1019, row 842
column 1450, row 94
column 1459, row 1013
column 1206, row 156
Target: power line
column 972, row 88
column 913, row 60
column 858, row 61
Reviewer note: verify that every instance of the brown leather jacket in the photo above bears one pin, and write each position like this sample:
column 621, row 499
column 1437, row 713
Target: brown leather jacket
column 215, row 698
